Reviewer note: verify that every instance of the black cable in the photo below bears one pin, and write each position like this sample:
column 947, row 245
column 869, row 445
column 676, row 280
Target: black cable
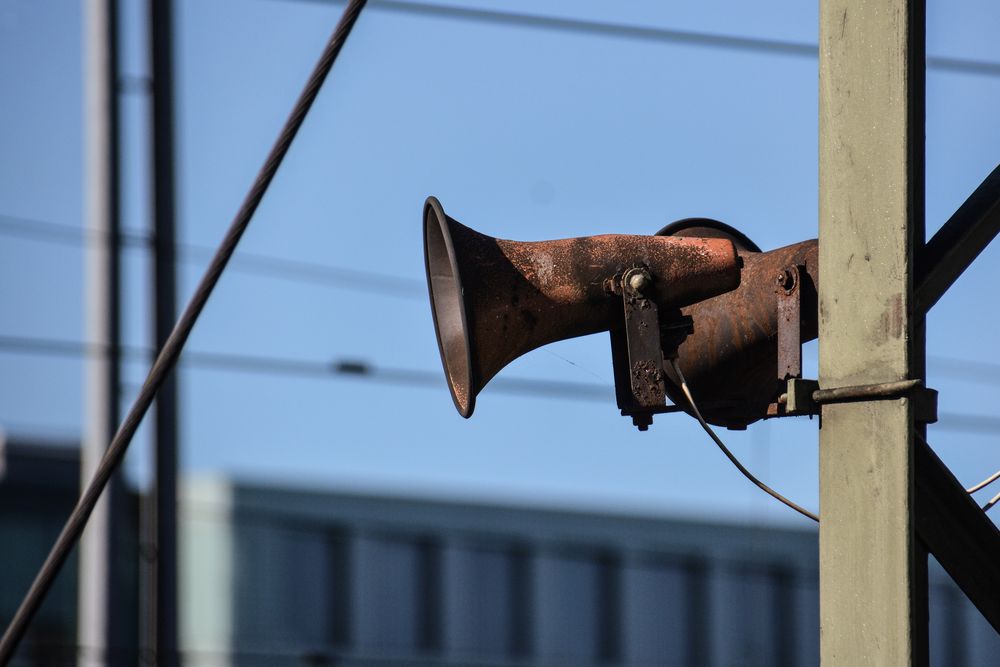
column 174, row 344
column 643, row 33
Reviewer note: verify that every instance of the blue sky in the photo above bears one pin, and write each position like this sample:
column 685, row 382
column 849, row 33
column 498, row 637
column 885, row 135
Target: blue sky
column 521, row 133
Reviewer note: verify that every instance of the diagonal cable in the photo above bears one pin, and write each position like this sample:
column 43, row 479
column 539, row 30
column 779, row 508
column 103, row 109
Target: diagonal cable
column 172, row 348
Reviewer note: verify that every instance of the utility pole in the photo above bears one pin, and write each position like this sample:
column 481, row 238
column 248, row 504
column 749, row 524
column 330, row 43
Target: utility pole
column 871, row 151
column 101, row 617
column 161, row 589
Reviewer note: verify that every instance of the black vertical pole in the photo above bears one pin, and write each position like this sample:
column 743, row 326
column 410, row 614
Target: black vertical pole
column 162, row 598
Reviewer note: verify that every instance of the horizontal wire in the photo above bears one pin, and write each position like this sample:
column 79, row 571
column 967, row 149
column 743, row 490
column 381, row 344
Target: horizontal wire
column 962, row 422
column 974, row 371
column 361, row 280
column 244, row 262
column 785, row 48
column 344, row 368
column 967, row 423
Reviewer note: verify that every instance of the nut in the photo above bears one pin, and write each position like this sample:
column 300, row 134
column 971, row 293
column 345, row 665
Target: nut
column 638, row 281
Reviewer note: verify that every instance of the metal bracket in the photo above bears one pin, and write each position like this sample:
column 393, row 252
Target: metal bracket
column 637, row 348
column 797, row 397
column 924, row 399
column 789, row 323
column 804, row 397
column 642, row 340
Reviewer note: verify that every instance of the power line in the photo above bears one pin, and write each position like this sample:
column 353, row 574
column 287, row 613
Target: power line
column 364, row 370
column 306, row 368
column 347, row 278
column 982, row 372
column 308, row 272
column 593, row 28
column 968, row 423
column 243, row 262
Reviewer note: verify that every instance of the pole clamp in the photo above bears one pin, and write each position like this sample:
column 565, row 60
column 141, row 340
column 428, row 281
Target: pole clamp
column 805, row 396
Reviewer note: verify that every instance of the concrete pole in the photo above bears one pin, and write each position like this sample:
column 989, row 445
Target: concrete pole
column 101, row 619
column 871, row 134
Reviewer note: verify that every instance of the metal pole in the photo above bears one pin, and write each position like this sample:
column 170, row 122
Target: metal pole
column 871, row 125
column 101, row 620
column 162, row 588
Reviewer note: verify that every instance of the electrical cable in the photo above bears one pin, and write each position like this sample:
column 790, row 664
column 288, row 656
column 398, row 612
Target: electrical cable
column 983, row 484
column 250, row 263
column 993, row 501
column 309, row 368
column 174, row 344
column 729, row 455
column 283, row 366
column 986, row 482
column 641, row 33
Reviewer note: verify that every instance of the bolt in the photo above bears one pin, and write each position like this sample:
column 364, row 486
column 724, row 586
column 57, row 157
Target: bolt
column 786, row 280
column 638, row 280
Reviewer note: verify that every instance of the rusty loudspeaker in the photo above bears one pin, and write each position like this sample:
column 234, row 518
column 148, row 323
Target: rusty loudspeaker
column 747, row 343
column 493, row 300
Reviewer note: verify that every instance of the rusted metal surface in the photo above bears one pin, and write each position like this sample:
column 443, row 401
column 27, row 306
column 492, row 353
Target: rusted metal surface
column 789, row 332
column 494, row 299
column 647, row 394
column 731, row 361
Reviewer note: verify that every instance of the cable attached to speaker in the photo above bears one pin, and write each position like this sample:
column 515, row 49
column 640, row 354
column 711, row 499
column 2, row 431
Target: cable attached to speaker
column 729, row 455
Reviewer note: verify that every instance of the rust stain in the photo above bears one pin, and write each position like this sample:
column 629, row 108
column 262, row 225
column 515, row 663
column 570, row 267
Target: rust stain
column 731, row 359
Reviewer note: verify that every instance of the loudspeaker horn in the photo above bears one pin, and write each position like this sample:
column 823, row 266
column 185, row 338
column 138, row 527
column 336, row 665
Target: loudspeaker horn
column 494, row 300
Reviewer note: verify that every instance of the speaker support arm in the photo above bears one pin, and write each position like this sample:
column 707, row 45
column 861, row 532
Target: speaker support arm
column 637, row 349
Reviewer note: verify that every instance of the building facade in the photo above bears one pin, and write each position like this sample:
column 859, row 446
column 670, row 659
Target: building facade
column 283, row 576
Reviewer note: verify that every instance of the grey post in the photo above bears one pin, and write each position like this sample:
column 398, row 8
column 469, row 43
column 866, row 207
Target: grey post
column 101, row 618
column 871, row 124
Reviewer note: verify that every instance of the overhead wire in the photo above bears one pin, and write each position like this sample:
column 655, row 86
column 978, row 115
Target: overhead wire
column 359, row 369
column 979, row 371
column 174, row 345
column 729, row 455
column 361, row 280
column 597, row 28
column 986, row 482
column 394, row 285
column 993, row 501
column 284, row 366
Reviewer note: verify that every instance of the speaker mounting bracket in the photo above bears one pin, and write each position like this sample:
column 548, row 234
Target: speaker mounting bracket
column 797, row 396
column 637, row 349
